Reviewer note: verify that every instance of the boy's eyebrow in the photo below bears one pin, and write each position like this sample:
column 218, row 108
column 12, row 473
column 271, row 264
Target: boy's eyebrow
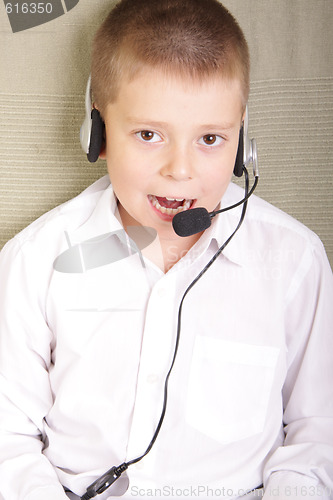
column 140, row 121
column 222, row 126
column 135, row 121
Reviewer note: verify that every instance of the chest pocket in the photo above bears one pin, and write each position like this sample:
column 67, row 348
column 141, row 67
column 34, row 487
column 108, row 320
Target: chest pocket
column 229, row 388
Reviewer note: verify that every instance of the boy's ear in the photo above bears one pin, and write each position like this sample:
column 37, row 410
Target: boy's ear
column 102, row 153
column 244, row 115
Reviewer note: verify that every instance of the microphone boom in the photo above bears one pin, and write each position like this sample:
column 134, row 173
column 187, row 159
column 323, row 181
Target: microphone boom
column 198, row 219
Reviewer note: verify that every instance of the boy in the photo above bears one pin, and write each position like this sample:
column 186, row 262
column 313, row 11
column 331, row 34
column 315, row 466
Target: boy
column 88, row 312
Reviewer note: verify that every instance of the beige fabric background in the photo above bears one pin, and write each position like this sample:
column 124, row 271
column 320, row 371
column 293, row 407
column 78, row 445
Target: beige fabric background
column 43, row 73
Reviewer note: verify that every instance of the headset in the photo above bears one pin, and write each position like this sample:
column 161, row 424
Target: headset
column 92, row 136
column 184, row 223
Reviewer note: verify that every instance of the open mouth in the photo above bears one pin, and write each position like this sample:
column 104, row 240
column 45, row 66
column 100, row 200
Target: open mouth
column 170, row 206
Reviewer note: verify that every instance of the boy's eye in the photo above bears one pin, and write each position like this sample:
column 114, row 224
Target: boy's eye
column 148, row 136
column 210, row 140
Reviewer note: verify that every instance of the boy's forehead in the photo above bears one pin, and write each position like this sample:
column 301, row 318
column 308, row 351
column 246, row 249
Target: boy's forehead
column 162, row 81
column 150, row 92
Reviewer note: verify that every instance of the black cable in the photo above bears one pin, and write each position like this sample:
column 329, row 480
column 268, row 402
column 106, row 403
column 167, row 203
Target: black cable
column 246, row 197
column 105, row 481
column 159, row 425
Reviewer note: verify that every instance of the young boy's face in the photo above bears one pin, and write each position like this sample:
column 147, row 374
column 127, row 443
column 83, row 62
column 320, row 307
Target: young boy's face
column 168, row 140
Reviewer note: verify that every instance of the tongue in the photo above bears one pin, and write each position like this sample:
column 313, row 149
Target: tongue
column 169, row 204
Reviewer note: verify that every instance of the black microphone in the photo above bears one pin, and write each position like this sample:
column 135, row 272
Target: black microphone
column 192, row 221
column 198, row 219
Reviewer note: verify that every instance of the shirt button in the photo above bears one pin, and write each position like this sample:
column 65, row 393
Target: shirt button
column 161, row 292
column 152, row 378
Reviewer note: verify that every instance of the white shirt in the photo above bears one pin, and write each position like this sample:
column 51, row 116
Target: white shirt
column 84, row 356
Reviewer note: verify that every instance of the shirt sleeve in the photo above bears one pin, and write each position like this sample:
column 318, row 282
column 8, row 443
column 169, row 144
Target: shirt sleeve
column 303, row 466
column 25, row 393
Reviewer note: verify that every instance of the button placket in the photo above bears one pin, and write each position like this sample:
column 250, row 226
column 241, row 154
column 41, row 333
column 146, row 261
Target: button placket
column 156, row 354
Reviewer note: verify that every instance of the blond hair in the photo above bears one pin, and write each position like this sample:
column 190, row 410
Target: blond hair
column 194, row 39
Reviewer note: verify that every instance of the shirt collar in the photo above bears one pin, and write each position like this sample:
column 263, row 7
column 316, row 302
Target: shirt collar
column 223, row 225
column 105, row 219
column 102, row 220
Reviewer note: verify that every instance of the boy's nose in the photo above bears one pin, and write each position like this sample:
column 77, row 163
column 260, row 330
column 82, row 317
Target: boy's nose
column 178, row 165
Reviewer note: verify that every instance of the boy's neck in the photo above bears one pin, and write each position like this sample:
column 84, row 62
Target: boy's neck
column 165, row 251
column 171, row 251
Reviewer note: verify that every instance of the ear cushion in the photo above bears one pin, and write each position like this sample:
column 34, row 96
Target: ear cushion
column 96, row 136
column 238, row 168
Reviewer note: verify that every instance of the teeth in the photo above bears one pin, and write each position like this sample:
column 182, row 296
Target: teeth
column 170, row 211
column 174, row 199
